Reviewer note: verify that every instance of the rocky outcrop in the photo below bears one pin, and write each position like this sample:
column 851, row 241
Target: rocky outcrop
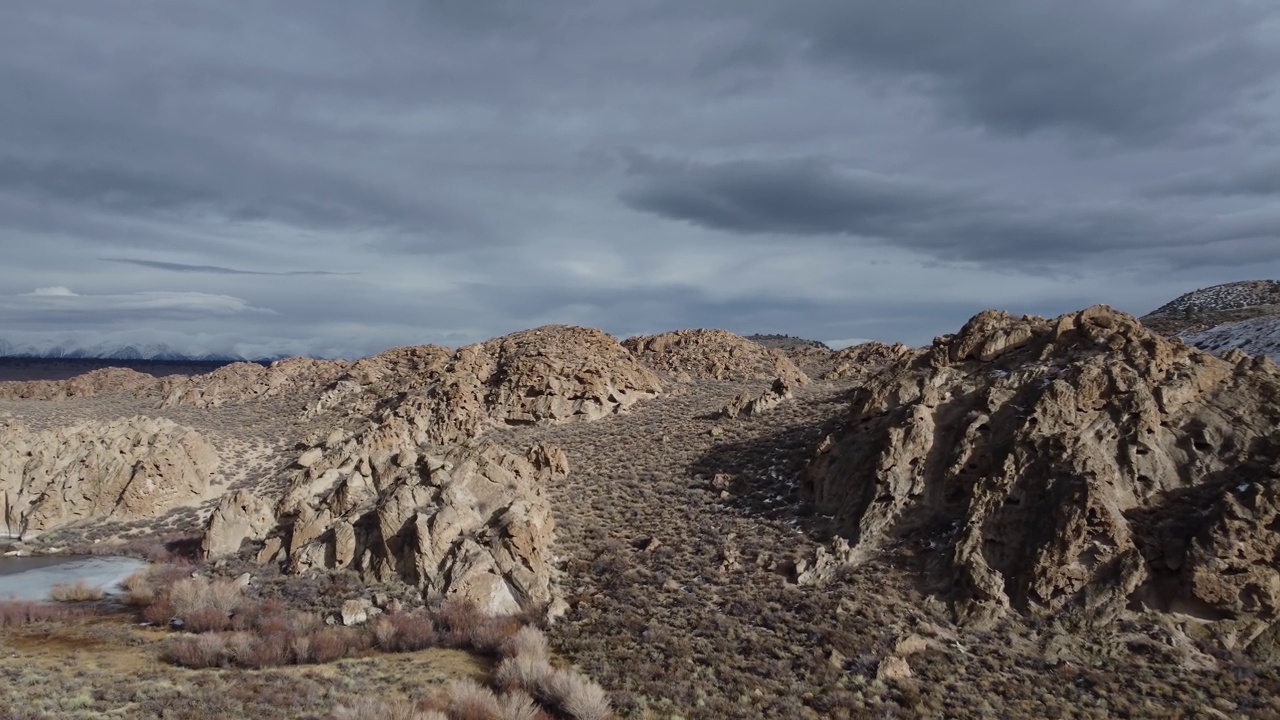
column 747, row 404
column 239, row 516
column 106, row 381
column 121, row 470
column 1079, row 465
column 416, row 494
column 245, row 381
column 547, row 375
column 714, row 355
column 471, row 521
column 860, row 362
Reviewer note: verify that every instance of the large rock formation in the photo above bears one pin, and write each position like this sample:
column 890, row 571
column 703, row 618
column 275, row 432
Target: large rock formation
column 106, row 381
column 551, row 374
column 122, row 470
column 468, row 520
column 245, row 381
column 714, row 355
column 1079, row 465
column 415, row 494
column 860, row 362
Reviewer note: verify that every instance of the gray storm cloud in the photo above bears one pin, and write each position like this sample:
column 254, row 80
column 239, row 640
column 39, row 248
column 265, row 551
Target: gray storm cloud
column 335, row 178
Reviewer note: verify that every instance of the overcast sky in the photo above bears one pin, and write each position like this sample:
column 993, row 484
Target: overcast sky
column 337, row 177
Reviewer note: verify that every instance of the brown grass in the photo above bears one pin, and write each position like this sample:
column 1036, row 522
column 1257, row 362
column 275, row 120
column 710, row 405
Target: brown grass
column 15, row 613
column 78, row 591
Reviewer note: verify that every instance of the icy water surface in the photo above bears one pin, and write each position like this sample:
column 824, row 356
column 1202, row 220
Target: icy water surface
column 31, row 578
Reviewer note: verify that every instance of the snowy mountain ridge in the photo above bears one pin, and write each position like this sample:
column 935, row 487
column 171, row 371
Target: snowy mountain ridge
column 49, row 350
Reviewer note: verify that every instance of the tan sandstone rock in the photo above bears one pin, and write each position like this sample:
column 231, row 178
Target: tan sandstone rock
column 121, row 469
column 714, row 355
column 1074, row 465
column 747, row 404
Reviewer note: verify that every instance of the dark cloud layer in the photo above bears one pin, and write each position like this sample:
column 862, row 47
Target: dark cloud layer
column 1135, row 71
column 334, row 177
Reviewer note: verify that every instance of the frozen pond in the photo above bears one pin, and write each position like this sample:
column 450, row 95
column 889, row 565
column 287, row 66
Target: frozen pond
column 31, row 578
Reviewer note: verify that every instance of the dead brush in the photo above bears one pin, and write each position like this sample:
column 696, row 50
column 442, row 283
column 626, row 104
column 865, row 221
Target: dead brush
column 15, row 613
column 78, row 591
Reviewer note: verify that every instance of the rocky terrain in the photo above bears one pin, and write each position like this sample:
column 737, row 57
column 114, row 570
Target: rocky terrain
column 1080, row 466
column 1069, row 517
column 786, row 342
column 124, row 469
column 1209, row 307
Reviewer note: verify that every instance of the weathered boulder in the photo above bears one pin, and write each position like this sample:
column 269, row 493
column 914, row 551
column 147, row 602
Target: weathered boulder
column 747, row 404
column 1076, row 465
column 239, row 516
column 714, row 355
column 121, row 469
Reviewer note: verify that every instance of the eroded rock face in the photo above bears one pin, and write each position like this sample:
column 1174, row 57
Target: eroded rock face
column 471, row 521
column 714, row 355
column 121, row 470
column 1074, row 465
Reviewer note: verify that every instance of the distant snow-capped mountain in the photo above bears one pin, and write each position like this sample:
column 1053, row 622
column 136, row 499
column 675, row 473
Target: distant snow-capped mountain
column 114, row 351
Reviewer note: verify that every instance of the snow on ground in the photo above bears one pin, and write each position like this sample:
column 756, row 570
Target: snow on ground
column 1257, row 336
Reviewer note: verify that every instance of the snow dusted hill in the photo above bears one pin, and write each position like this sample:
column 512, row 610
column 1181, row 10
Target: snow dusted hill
column 1210, row 307
column 1256, row 336
column 1229, row 296
column 111, row 351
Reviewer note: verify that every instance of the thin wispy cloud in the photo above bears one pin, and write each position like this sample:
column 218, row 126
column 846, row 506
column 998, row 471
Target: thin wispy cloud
column 217, row 269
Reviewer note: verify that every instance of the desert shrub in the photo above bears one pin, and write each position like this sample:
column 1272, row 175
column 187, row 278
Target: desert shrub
column 14, row 613
column 527, row 672
column 159, row 612
column 206, row 619
column 527, row 640
column 374, row 709
column 577, row 696
column 198, row 593
column 331, row 644
column 518, row 705
column 138, row 589
column 79, row 591
column 468, row 700
column 404, row 632
column 198, row 651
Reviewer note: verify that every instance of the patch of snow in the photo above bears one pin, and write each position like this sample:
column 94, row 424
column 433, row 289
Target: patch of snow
column 1256, row 336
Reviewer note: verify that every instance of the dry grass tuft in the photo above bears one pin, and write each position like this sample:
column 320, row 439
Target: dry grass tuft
column 468, row 700
column 78, row 591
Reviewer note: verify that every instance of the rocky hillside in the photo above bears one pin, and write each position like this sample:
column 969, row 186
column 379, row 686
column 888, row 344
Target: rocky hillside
column 1208, row 307
column 786, row 342
column 120, row 470
column 1077, row 467
column 1258, row 336
column 414, row 494
column 713, row 355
